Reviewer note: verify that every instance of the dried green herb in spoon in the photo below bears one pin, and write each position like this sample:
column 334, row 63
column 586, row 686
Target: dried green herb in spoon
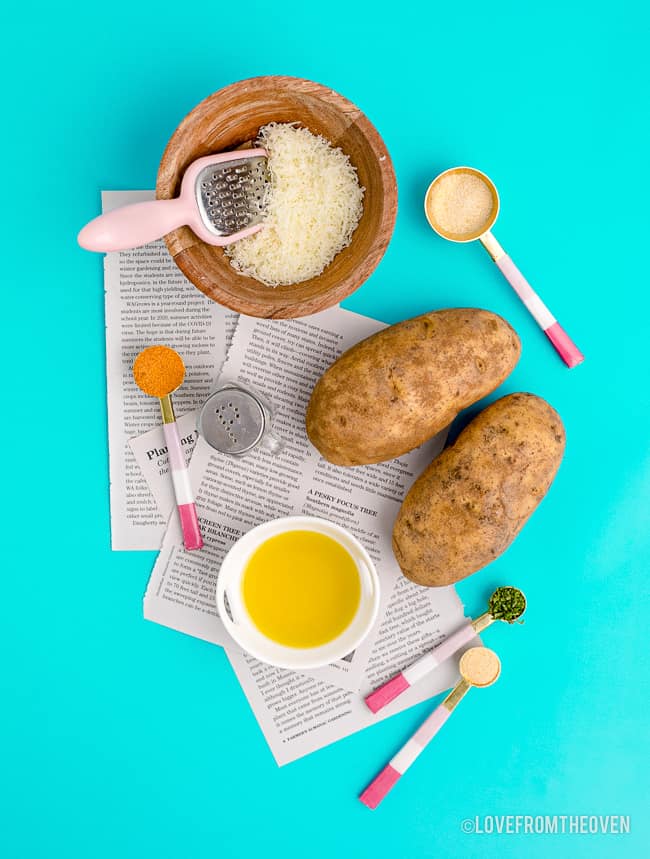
column 507, row 604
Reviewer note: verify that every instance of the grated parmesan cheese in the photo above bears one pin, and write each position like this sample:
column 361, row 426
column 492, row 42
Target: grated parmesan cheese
column 314, row 203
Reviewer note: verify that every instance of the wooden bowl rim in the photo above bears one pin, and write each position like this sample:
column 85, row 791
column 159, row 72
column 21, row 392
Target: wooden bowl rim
column 279, row 303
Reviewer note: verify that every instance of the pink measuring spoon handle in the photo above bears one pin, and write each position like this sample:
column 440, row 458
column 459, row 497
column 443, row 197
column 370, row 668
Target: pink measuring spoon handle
column 393, row 771
column 135, row 225
column 564, row 346
column 398, row 684
column 182, row 489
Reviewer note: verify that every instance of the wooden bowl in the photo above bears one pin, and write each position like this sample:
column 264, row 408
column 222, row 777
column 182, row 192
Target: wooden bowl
column 233, row 116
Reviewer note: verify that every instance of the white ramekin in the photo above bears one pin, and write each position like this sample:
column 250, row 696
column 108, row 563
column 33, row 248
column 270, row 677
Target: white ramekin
column 239, row 624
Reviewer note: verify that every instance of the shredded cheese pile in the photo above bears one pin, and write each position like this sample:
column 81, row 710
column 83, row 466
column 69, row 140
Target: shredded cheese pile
column 314, row 203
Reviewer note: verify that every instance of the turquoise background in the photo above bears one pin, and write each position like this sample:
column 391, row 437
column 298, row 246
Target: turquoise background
column 121, row 738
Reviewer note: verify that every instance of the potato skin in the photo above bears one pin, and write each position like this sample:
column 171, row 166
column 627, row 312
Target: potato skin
column 468, row 506
column 401, row 386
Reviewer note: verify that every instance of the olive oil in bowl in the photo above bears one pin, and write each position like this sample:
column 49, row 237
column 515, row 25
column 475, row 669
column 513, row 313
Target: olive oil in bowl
column 298, row 592
column 301, row 589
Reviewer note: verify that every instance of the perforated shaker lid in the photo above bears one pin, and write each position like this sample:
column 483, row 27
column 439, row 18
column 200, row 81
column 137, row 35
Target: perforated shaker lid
column 232, row 421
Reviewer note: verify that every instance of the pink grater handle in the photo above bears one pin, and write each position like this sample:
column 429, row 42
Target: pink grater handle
column 182, row 489
column 388, row 777
column 135, row 225
column 564, row 346
column 394, row 687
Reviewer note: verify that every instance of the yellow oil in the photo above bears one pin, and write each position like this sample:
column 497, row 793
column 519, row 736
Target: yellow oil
column 301, row 588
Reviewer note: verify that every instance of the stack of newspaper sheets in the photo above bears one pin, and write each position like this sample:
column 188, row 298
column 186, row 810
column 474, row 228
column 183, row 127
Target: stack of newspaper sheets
column 149, row 301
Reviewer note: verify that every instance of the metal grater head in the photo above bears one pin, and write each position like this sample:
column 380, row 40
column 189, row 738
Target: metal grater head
column 232, row 195
column 232, row 421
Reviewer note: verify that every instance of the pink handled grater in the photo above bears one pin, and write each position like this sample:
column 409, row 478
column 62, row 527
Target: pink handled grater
column 222, row 199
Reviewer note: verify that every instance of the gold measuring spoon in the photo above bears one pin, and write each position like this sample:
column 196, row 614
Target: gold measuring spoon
column 462, row 205
column 506, row 603
column 478, row 667
column 158, row 371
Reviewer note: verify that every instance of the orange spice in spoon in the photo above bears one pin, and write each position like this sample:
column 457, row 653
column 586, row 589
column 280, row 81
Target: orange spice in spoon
column 158, row 371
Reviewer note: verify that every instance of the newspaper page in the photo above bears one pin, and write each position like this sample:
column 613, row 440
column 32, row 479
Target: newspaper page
column 147, row 301
column 282, row 360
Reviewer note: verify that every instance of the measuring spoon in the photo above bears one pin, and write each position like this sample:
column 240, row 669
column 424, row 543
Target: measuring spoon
column 445, row 204
column 398, row 684
column 159, row 371
column 478, row 667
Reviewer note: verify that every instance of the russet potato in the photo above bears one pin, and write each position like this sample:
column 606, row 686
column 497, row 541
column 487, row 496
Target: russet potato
column 401, row 386
column 471, row 502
